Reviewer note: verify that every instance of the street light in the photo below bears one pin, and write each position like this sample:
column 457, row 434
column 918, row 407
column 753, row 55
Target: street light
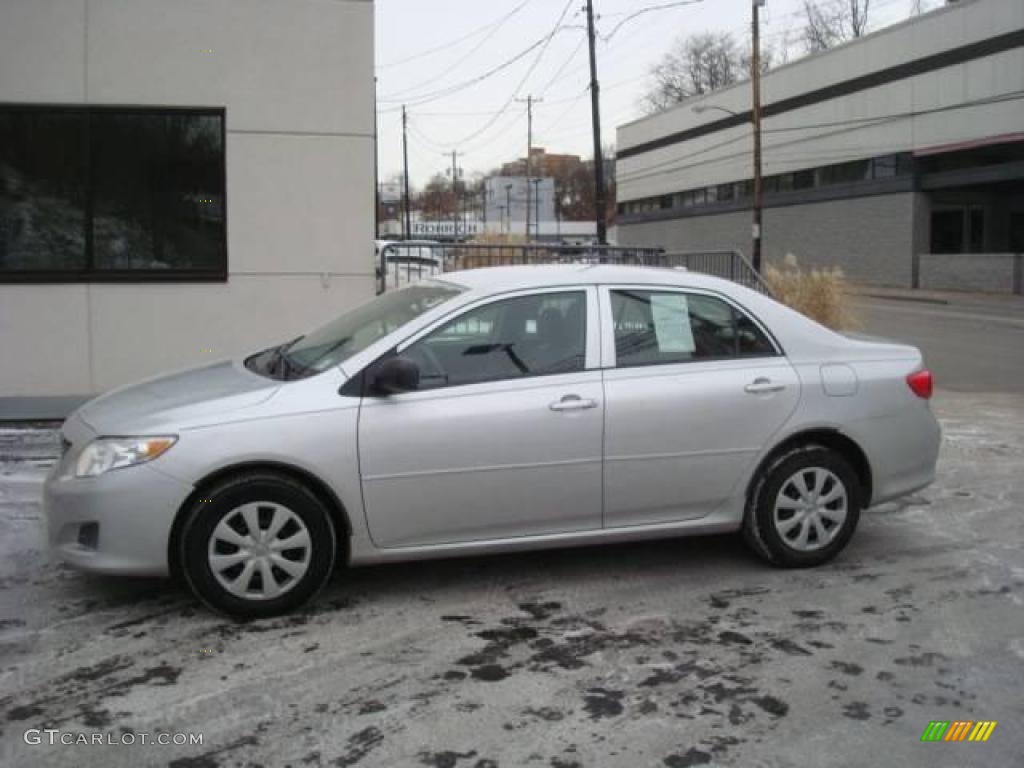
column 758, row 206
column 700, row 109
column 508, row 205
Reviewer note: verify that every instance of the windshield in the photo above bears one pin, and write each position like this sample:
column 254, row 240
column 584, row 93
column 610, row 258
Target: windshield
column 353, row 332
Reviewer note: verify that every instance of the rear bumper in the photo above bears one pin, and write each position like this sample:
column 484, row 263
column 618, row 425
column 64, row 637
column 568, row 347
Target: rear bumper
column 902, row 449
column 133, row 508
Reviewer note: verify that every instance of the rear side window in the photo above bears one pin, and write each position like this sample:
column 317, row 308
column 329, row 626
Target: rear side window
column 660, row 327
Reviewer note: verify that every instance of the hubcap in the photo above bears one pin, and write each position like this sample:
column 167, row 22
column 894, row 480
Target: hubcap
column 810, row 509
column 260, row 550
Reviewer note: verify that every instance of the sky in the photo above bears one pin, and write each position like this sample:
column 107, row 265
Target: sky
column 437, row 57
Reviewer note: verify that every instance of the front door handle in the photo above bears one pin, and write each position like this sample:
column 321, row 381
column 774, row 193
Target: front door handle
column 572, row 403
column 761, row 385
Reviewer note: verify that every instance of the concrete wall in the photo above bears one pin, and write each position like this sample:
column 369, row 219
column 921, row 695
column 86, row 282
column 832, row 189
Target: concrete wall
column 871, row 238
column 296, row 79
column 988, row 272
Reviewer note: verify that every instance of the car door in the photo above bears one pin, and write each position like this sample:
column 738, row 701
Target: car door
column 503, row 437
column 694, row 390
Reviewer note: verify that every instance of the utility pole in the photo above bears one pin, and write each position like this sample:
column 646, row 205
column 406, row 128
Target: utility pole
column 455, row 195
column 405, row 174
column 536, row 206
column 755, row 80
column 508, row 205
column 595, row 117
column 530, row 101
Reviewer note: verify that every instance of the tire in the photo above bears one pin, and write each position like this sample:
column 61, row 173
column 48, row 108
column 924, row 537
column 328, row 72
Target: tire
column 227, row 567
column 776, row 522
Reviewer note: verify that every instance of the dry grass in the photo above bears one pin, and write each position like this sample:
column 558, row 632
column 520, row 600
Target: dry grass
column 821, row 294
column 493, row 257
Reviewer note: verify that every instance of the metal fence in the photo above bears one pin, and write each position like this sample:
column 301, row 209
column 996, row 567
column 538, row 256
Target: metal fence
column 730, row 265
column 402, row 263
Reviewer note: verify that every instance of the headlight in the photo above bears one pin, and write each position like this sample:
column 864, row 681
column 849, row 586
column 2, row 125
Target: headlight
column 107, row 453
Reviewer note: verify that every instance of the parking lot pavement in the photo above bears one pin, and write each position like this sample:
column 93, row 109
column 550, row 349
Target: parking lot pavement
column 675, row 653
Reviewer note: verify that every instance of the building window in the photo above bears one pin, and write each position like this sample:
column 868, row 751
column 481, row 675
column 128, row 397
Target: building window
column 803, row 179
column 883, row 167
column 976, row 230
column 948, row 231
column 845, row 173
column 97, row 194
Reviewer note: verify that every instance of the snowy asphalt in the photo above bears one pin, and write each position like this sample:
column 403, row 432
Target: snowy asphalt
column 675, row 653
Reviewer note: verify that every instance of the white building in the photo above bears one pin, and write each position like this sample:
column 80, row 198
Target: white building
column 179, row 182
column 899, row 157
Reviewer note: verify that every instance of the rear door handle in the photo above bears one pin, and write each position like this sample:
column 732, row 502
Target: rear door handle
column 761, row 385
column 572, row 403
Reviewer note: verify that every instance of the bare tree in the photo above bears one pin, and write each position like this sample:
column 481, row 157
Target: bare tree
column 828, row 23
column 696, row 65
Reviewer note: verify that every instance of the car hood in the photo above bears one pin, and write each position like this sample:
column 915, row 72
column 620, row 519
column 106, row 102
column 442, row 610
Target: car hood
column 185, row 398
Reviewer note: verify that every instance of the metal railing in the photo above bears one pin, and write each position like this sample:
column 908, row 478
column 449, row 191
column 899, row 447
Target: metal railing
column 729, row 265
column 400, row 264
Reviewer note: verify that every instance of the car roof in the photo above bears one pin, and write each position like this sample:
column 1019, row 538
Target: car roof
column 487, row 279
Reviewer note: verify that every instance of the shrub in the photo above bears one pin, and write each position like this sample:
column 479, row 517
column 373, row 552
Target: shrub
column 821, row 294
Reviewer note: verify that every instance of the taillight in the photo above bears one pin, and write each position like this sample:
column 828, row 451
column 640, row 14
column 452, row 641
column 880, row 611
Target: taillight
column 920, row 382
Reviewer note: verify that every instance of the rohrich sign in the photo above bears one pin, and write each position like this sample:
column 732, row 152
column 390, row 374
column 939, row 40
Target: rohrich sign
column 447, row 228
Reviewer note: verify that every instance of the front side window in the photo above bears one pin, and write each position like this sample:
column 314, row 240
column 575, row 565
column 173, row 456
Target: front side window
column 509, row 339
column 103, row 193
column 660, row 327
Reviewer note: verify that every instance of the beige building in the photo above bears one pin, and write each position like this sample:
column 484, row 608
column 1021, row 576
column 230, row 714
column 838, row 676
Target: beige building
column 898, row 156
column 179, row 182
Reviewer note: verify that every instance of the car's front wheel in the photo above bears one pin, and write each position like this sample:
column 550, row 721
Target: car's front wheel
column 804, row 509
column 256, row 545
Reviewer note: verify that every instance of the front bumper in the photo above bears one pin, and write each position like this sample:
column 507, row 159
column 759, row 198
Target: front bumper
column 133, row 508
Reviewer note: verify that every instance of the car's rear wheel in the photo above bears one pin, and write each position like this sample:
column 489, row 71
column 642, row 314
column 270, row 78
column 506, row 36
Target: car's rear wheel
column 804, row 508
column 256, row 545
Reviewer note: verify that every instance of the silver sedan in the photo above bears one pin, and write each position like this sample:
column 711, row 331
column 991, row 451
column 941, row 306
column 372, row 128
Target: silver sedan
column 495, row 410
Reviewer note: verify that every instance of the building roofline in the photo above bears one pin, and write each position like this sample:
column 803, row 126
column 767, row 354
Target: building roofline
column 745, row 82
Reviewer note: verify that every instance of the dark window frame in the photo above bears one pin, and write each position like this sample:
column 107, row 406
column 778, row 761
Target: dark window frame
column 90, row 274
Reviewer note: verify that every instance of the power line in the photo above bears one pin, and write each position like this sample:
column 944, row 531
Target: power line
column 565, row 64
column 453, row 89
column 642, row 11
column 448, row 45
column 459, row 62
column 515, row 93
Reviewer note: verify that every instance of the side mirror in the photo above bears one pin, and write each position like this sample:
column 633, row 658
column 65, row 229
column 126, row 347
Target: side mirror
column 394, row 376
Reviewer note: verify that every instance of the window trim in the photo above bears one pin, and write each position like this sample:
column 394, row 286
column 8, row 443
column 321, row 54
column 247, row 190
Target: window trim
column 609, row 358
column 591, row 339
column 90, row 274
